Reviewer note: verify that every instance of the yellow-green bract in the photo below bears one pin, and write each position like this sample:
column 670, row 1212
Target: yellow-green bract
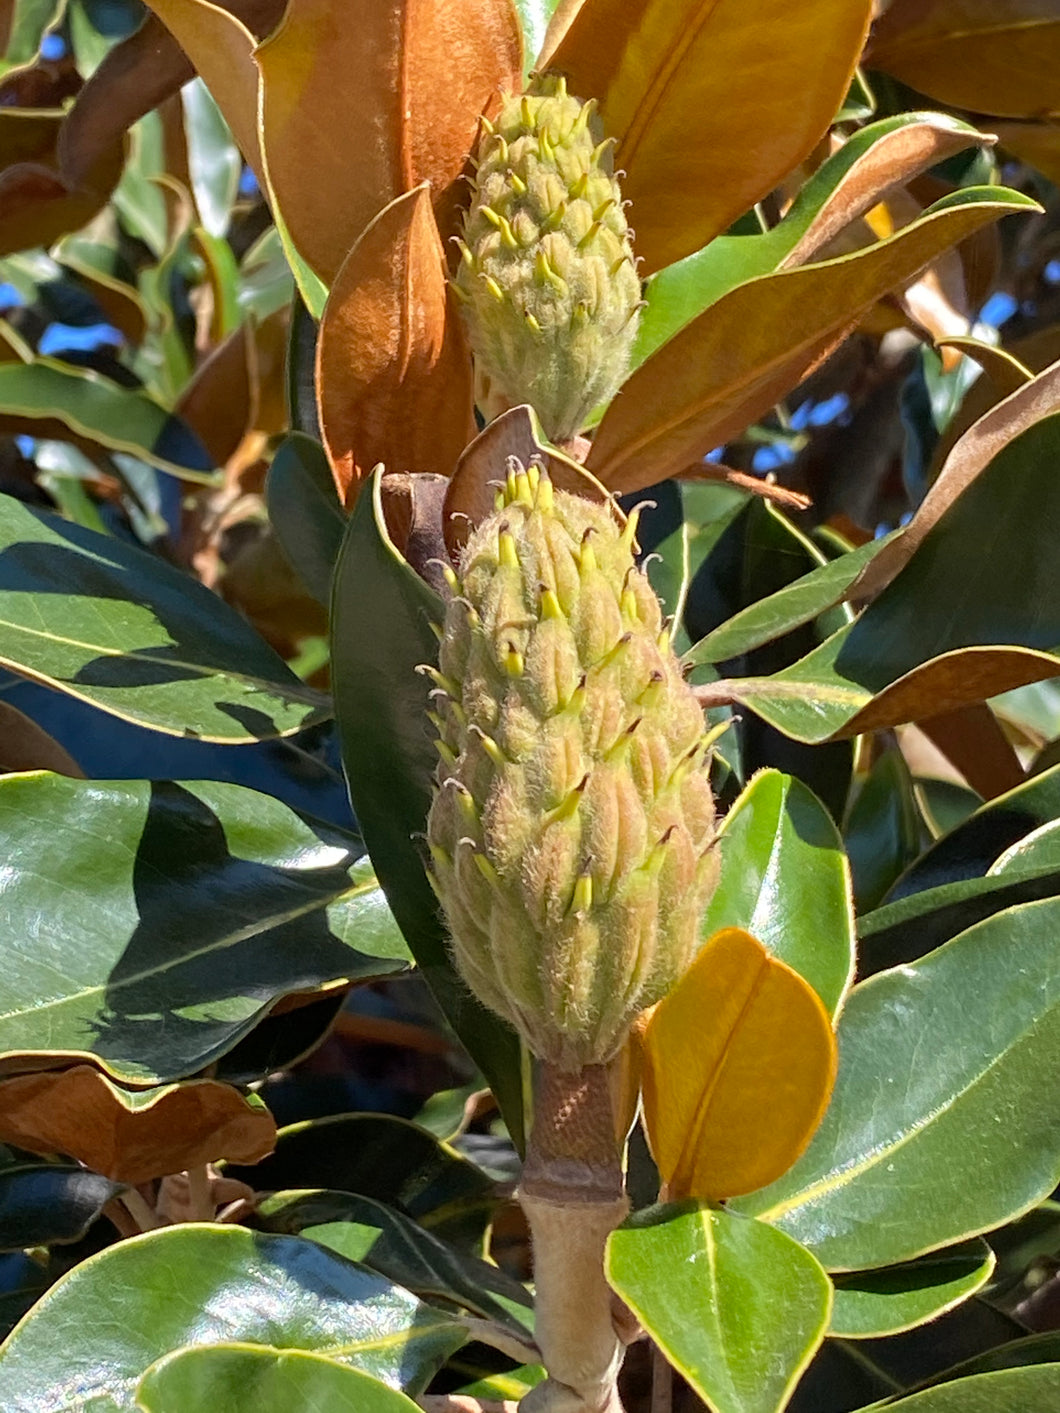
column 572, row 819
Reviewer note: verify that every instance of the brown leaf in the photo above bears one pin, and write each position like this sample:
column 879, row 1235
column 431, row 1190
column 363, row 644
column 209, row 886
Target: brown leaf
column 362, row 103
column 26, row 746
column 393, row 370
column 711, row 107
column 891, row 161
column 131, row 1137
column 515, row 433
column 973, row 740
column 990, row 56
column 133, row 78
column 37, row 206
column 217, row 402
column 748, row 350
column 412, row 510
column 1035, row 143
column 220, row 41
column 969, row 457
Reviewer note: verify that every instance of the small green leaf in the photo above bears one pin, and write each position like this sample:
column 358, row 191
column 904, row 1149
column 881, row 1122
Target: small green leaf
column 884, row 832
column 778, row 841
column 242, row 1378
column 209, row 1285
column 946, row 1077
column 737, row 1308
column 873, row 1303
column 214, row 163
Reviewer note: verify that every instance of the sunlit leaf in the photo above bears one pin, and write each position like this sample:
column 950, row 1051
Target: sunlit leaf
column 779, row 842
column 986, row 1007
column 754, row 345
column 869, row 1304
column 736, row 1311
column 154, row 955
column 390, row 339
column 242, row 1378
column 233, row 1285
column 354, row 115
column 739, row 1064
column 684, row 87
column 999, row 57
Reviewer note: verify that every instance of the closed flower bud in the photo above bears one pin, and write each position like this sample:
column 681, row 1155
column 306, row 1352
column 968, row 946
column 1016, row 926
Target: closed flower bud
column 547, row 277
column 572, row 819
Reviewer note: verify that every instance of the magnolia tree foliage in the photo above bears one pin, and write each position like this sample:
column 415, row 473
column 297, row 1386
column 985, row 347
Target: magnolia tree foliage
column 549, row 508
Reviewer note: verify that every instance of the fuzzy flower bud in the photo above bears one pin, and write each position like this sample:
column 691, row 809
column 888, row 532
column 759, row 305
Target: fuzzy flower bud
column 572, row 819
column 547, row 279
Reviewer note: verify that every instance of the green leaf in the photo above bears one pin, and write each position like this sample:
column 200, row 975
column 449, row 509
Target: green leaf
column 970, row 849
column 214, row 162
column 381, row 612
column 41, row 1203
column 944, row 1072
column 118, row 418
column 98, row 1329
column 240, row 1378
column 883, row 831
column 797, row 603
column 149, row 926
column 1009, row 1391
column 305, row 511
column 120, row 628
column 379, row 1236
column 897, row 662
column 778, row 841
column 390, row 1160
column 873, row 1303
column 737, row 1308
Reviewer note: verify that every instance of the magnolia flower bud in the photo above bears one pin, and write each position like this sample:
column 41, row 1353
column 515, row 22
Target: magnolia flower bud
column 547, row 278
column 571, row 828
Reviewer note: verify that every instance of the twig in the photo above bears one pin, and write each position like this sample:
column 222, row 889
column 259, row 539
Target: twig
column 140, row 1210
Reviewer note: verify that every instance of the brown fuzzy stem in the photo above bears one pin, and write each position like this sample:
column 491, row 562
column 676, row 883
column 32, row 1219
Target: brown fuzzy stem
column 573, row 1195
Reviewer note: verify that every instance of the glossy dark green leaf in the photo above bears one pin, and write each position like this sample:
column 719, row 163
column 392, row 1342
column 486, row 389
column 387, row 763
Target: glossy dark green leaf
column 301, row 375
column 279, row 1041
column 970, row 850
column 305, row 511
column 737, row 1308
column 148, row 927
column 883, row 832
column 95, row 617
column 242, row 1378
column 379, row 1236
column 873, row 1303
column 41, row 1203
column 946, row 1074
column 1008, row 1391
column 209, row 1285
column 381, row 612
column 779, row 842
column 390, row 1160
column 797, row 603
column 896, row 662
